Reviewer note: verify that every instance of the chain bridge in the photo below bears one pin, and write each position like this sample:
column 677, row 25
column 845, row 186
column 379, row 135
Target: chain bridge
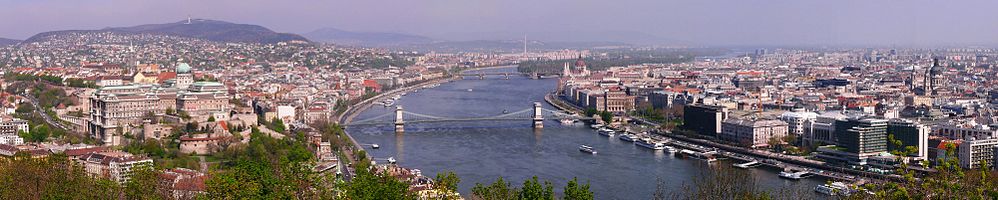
column 400, row 117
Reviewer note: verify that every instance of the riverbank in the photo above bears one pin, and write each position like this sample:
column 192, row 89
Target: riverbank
column 786, row 161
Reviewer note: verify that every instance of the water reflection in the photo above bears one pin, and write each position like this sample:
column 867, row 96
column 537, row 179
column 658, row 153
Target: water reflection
column 399, row 146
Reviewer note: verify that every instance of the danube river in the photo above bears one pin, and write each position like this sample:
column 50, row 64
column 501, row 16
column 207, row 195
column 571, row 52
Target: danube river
column 479, row 152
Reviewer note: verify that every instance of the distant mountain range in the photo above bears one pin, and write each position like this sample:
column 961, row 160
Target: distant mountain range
column 370, row 39
column 6, row 42
column 507, row 46
column 212, row 30
column 404, row 41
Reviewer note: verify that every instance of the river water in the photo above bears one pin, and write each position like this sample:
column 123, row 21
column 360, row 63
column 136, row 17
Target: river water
column 479, row 152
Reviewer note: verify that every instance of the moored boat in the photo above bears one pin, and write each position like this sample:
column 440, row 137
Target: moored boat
column 649, row 143
column 627, row 137
column 795, row 175
column 705, row 156
column 606, row 132
column 833, row 189
column 587, row 149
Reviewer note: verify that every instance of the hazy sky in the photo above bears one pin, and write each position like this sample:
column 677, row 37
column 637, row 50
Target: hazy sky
column 709, row 22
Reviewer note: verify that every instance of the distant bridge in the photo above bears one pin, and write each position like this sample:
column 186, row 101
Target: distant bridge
column 537, row 114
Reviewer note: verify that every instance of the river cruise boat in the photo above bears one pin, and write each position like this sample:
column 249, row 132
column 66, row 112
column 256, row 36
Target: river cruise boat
column 391, row 160
column 375, row 146
column 649, row 143
column 671, row 149
column 587, row 149
column 795, row 175
column 628, row 137
column 747, row 165
column 833, row 189
column 596, row 126
column 709, row 157
column 606, row 132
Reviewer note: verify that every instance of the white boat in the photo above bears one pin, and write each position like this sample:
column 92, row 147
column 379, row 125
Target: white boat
column 649, row 143
column 627, row 137
column 789, row 174
column 587, row 149
column 596, row 126
column 747, row 165
column 833, row 189
column 671, row 149
column 403, row 94
column 567, row 121
column 375, row 146
column 469, row 90
column 388, row 103
column 709, row 157
column 606, row 132
column 391, row 160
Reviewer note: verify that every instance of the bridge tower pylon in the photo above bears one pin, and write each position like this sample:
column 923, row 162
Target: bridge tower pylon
column 538, row 116
column 399, row 122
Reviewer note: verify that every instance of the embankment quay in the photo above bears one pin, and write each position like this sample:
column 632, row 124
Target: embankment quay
column 780, row 161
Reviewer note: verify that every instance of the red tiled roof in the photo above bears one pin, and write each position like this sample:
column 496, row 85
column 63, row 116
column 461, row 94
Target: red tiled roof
column 81, row 151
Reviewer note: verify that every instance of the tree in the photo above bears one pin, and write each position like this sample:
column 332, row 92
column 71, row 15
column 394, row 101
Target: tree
column 446, row 182
column 277, row 125
column 574, row 191
column 24, row 108
column 532, row 189
column 37, row 134
column 606, row 116
column 143, row 184
column 54, row 177
column 499, row 190
column 368, row 186
column 211, row 118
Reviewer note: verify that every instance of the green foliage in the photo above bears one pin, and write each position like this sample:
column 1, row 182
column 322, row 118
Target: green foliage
column 604, row 115
column 54, row 177
column 30, row 77
column 80, row 83
column 532, row 189
column 366, row 185
column 268, row 168
column 143, row 185
column 24, row 108
column 499, row 190
column 277, row 125
column 575, row 191
column 447, row 181
column 37, row 134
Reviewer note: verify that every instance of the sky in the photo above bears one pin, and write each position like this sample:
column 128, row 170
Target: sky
column 699, row 22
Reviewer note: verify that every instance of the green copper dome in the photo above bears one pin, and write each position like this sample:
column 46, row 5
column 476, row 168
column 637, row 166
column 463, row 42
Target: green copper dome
column 183, row 68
